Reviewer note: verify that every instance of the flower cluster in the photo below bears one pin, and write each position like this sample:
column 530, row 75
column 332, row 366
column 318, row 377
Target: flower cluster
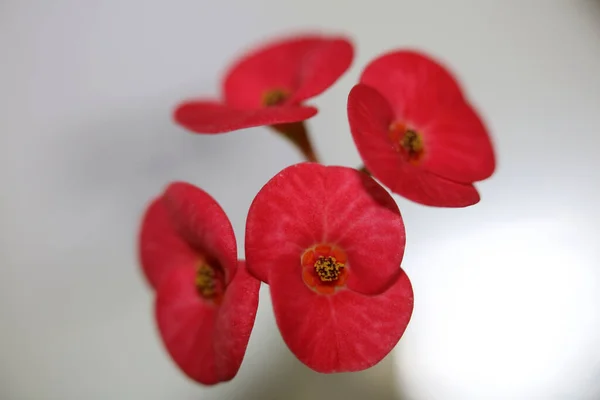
column 328, row 240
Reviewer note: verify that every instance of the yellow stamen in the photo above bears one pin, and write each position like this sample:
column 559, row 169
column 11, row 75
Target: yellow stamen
column 206, row 282
column 274, row 97
column 412, row 143
column 328, row 268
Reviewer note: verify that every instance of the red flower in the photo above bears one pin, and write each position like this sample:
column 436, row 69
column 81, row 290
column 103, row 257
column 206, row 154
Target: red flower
column 206, row 301
column 267, row 85
column 417, row 133
column 329, row 241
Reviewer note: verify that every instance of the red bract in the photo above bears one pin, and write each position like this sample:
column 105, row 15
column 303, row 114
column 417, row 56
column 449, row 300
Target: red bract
column 267, row 85
column 206, row 301
column 329, row 241
column 417, row 132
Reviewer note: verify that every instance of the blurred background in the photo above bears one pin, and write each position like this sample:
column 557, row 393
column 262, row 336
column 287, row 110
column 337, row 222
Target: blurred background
column 506, row 292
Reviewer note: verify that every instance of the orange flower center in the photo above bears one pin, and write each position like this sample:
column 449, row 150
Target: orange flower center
column 324, row 268
column 209, row 282
column 274, row 97
column 407, row 141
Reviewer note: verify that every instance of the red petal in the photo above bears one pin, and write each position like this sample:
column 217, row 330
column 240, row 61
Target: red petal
column 235, row 322
column 207, row 342
column 304, row 66
column 414, row 85
column 186, row 326
column 326, row 64
column 308, row 204
column 203, row 224
column 370, row 116
column 161, row 249
column 341, row 332
column 458, row 146
column 213, row 117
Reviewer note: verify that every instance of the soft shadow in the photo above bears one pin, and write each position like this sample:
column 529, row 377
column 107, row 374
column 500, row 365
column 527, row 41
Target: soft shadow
column 294, row 381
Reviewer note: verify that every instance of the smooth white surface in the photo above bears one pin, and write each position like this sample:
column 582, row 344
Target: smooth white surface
column 506, row 292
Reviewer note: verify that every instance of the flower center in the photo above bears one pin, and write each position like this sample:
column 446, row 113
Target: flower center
column 209, row 282
column 324, row 268
column 412, row 142
column 407, row 141
column 328, row 268
column 274, row 97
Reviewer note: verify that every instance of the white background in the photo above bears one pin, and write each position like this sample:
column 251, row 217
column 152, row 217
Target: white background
column 507, row 292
